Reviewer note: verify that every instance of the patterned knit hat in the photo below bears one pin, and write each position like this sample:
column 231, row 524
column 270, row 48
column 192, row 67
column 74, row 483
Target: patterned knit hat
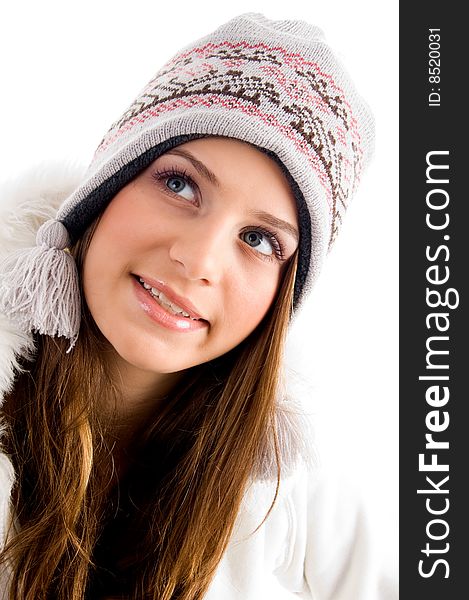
column 273, row 84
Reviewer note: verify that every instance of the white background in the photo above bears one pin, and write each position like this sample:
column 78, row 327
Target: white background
column 69, row 69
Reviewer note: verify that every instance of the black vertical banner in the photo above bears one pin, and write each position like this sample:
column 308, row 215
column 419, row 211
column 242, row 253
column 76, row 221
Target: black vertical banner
column 434, row 335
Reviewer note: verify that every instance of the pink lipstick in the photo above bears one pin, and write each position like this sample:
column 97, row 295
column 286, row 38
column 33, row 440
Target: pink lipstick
column 161, row 313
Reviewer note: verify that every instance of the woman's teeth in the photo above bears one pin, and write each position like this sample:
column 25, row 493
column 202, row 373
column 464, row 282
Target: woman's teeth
column 165, row 302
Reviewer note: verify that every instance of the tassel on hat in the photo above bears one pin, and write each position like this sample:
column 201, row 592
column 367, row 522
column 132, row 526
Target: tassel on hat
column 39, row 286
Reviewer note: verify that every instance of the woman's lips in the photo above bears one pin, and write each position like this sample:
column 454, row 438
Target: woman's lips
column 164, row 317
column 171, row 295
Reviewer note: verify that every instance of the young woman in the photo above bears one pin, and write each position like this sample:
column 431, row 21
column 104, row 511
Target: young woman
column 149, row 446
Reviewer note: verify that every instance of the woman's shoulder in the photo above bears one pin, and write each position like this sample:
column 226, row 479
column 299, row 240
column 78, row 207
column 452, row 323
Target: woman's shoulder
column 316, row 542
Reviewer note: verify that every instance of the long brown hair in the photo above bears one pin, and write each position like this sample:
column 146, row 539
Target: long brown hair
column 193, row 463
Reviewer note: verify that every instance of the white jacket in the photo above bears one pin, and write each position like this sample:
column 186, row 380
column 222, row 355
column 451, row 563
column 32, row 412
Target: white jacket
column 317, row 542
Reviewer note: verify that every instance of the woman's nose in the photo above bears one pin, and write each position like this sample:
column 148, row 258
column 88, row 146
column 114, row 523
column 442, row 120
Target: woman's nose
column 202, row 250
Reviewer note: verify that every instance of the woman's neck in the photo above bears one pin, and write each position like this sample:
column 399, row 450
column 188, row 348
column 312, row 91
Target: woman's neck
column 139, row 393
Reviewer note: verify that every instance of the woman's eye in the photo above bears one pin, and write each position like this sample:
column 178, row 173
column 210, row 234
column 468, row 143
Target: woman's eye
column 265, row 242
column 259, row 241
column 179, row 185
column 178, row 182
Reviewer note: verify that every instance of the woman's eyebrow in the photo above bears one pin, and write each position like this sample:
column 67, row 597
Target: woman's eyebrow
column 276, row 222
column 199, row 166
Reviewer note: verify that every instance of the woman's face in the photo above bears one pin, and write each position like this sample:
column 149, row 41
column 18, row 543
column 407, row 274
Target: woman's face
column 210, row 224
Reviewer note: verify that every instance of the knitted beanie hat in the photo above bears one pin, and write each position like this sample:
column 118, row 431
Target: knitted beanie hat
column 273, row 84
